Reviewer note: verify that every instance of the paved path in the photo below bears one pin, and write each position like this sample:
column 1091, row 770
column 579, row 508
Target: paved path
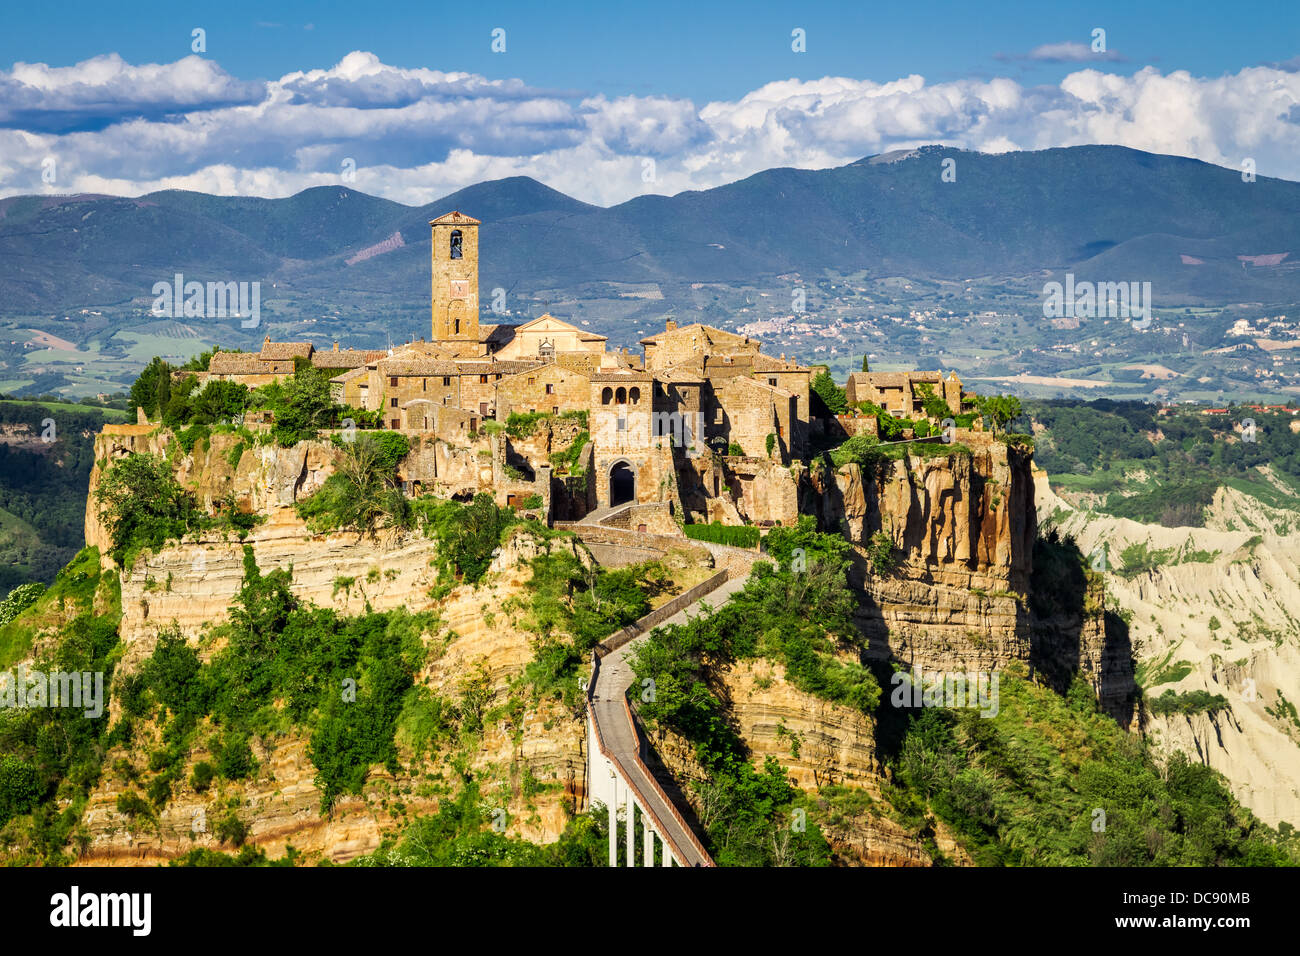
column 620, row 737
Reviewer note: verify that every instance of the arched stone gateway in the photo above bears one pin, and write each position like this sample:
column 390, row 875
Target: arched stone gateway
column 622, row 483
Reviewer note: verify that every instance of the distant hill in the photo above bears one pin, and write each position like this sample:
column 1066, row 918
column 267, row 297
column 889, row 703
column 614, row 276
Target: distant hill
column 1103, row 212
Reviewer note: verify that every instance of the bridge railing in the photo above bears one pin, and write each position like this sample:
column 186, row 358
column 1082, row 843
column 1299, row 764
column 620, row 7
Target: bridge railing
column 662, row 613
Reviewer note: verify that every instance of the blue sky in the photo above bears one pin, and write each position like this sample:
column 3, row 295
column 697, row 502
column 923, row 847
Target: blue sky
column 699, row 50
column 286, row 94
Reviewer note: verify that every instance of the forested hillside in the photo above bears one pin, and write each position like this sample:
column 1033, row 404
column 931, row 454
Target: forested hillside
column 46, row 450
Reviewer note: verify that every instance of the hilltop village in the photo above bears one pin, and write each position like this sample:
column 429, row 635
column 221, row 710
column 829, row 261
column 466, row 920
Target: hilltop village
column 534, row 504
column 703, row 427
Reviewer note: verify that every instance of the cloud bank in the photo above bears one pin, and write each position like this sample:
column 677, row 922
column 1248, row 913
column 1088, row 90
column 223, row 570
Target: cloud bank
column 414, row 135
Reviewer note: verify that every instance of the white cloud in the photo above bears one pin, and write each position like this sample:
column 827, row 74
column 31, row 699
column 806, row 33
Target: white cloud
column 417, row 134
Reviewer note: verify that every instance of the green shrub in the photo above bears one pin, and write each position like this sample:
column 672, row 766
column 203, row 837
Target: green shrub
column 1191, row 702
column 201, row 776
column 739, row 536
column 520, row 425
column 20, row 787
column 231, row 829
column 19, row 600
column 880, row 552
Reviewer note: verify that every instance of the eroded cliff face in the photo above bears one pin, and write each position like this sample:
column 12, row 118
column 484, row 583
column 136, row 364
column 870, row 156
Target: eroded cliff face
column 819, row 744
column 1217, row 615
column 475, row 641
column 265, row 479
column 962, row 528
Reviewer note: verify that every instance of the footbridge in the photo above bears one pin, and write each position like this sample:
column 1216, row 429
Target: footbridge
column 617, row 775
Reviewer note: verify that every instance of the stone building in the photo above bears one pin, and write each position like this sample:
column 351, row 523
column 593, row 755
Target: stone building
column 275, row 362
column 674, row 345
column 551, row 387
column 900, row 394
column 547, row 337
column 656, row 425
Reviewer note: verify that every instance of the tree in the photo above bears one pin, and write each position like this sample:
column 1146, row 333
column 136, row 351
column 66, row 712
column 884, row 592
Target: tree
column 219, row 401
column 935, row 407
column 864, row 363
column 1000, row 410
column 152, row 390
column 302, row 406
column 141, row 504
column 830, row 393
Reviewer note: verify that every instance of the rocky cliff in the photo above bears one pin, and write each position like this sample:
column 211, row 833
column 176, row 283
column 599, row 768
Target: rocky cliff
column 962, row 528
column 541, row 741
column 1211, row 614
column 819, row 744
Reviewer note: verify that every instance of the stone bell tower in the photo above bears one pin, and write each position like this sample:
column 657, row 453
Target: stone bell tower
column 455, row 278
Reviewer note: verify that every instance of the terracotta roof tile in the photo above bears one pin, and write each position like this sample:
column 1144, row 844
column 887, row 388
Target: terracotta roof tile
column 285, row 350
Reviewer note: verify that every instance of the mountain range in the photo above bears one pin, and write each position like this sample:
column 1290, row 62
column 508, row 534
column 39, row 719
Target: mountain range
column 1101, row 212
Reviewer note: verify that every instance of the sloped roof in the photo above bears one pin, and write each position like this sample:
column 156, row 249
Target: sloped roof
column 504, row 367
column 621, row 375
column 766, row 363
column 237, row 363
column 744, row 381
column 893, row 379
column 711, row 335
column 416, row 365
column 350, row 374
column 284, row 350
column 346, row 358
column 456, row 217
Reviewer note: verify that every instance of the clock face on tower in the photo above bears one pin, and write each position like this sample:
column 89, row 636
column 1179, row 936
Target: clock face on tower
column 459, row 288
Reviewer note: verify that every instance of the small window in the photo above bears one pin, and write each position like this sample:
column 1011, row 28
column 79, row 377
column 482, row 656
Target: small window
column 498, row 376
column 395, row 424
column 458, row 326
column 482, row 379
column 621, row 396
column 606, row 396
column 555, row 409
column 717, row 417
column 446, row 381
column 550, row 389
column 772, row 382
column 392, row 402
column 392, row 380
column 456, row 251
column 533, row 381
column 634, row 396
column 622, row 424
column 424, row 384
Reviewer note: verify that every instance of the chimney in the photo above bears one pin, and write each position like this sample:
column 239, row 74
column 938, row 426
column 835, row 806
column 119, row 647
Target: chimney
column 267, row 340
column 336, row 346
column 670, row 326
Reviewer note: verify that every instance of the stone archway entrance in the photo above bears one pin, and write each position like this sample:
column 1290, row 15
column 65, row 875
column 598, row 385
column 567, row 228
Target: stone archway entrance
column 622, row 483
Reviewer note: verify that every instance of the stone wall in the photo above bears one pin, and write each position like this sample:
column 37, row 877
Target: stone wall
column 528, row 391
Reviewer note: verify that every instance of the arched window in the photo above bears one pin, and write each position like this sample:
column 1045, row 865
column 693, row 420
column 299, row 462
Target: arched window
column 606, row 396
column 455, row 243
column 621, row 395
column 635, row 396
